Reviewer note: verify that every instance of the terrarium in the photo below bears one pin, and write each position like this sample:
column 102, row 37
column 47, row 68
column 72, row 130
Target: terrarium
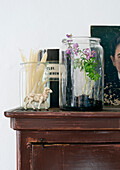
column 81, row 74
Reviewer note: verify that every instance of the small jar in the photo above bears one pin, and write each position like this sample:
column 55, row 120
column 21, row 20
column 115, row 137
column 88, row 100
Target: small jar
column 34, row 77
column 81, row 74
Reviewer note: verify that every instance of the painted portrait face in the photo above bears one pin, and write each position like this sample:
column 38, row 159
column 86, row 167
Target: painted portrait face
column 116, row 58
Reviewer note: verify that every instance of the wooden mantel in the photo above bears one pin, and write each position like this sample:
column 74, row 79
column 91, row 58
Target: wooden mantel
column 75, row 140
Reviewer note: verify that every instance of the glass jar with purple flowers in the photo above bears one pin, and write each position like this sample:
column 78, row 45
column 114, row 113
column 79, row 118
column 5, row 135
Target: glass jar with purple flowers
column 81, row 74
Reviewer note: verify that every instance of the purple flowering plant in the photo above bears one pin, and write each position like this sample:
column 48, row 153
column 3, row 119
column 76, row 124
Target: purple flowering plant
column 86, row 60
column 69, row 35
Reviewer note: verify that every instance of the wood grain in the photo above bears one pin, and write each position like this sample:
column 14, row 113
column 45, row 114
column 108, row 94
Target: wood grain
column 76, row 157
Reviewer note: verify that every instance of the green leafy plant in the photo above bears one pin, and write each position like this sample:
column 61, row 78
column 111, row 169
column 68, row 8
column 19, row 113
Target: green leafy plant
column 86, row 61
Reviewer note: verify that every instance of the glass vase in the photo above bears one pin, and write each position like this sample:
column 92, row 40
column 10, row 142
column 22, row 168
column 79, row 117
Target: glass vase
column 81, row 74
column 34, row 77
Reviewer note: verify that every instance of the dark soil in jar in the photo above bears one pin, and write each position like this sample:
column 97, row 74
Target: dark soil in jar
column 84, row 103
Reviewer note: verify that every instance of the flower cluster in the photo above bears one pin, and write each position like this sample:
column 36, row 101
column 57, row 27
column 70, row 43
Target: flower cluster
column 68, row 52
column 88, row 53
column 69, row 35
column 71, row 51
column 76, row 48
column 86, row 59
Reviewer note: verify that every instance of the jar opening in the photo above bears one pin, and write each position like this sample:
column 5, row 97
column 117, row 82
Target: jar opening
column 81, row 40
column 27, row 63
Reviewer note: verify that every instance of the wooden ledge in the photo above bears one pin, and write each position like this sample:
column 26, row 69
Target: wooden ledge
column 107, row 112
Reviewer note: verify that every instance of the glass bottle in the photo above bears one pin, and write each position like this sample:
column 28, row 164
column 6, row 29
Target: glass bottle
column 81, row 74
column 53, row 66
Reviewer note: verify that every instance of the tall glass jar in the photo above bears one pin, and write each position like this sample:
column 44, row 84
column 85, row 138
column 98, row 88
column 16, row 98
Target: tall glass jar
column 34, row 77
column 81, row 75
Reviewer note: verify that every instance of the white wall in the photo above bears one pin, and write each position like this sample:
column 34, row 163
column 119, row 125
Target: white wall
column 29, row 24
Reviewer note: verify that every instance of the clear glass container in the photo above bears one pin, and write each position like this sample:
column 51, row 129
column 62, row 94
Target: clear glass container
column 34, row 77
column 81, row 74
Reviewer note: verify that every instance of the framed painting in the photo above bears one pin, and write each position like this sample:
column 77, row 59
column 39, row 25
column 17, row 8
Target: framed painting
column 110, row 41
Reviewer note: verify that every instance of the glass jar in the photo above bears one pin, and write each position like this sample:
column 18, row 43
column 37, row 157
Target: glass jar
column 34, row 77
column 81, row 75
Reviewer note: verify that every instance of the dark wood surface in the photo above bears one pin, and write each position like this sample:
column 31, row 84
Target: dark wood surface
column 56, row 112
column 55, row 119
column 76, row 157
column 62, row 140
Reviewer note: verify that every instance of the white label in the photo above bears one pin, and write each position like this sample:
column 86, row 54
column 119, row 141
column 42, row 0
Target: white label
column 54, row 70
